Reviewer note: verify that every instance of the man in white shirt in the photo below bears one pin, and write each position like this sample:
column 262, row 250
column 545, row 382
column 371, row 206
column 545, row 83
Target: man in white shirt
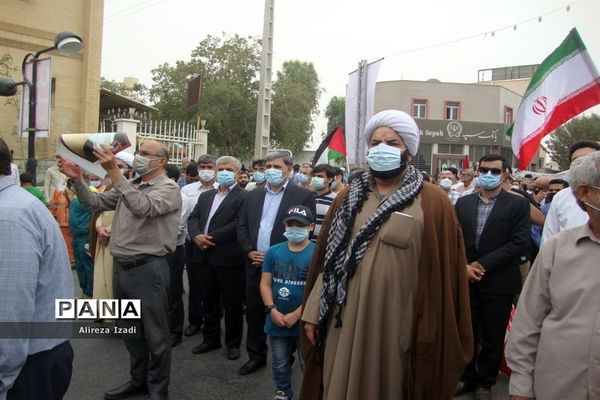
column 564, row 213
column 452, row 174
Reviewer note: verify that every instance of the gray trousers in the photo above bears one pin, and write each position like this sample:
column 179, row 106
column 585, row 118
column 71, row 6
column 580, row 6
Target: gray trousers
column 150, row 356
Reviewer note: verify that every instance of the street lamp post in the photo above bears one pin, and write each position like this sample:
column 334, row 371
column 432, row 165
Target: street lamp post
column 67, row 43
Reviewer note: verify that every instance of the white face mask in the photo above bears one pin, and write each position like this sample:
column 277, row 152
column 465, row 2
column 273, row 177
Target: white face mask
column 141, row 165
column 446, row 183
column 206, row 175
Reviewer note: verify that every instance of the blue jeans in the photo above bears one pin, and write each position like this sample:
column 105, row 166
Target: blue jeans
column 282, row 348
column 84, row 265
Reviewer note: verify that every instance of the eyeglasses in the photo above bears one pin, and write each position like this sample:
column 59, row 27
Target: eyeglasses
column 485, row 170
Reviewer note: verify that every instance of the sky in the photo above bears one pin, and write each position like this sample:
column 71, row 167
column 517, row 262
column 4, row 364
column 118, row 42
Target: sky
column 419, row 40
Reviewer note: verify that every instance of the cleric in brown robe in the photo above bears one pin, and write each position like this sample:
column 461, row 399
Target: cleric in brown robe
column 386, row 306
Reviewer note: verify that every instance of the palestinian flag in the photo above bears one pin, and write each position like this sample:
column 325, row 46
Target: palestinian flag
column 564, row 85
column 336, row 144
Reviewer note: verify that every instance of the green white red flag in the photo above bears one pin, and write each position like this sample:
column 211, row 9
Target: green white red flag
column 566, row 84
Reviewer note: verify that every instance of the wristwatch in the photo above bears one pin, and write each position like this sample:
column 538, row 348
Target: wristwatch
column 270, row 307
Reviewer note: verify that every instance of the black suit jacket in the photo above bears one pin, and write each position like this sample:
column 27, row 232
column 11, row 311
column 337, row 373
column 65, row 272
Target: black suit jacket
column 251, row 214
column 222, row 228
column 504, row 239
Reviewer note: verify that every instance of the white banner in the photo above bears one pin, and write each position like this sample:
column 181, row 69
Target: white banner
column 350, row 127
column 363, row 86
column 43, row 93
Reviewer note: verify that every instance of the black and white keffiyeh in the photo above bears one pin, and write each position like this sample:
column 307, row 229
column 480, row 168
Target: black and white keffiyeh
column 343, row 255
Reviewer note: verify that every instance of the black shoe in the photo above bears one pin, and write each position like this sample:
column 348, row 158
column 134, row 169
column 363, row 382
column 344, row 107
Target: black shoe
column 482, row 393
column 191, row 330
column 156, row 396
column 176, row 341
column 252, row 366
column 127, row 390
column 205, row 348
column 233, row 353
column 464, row 387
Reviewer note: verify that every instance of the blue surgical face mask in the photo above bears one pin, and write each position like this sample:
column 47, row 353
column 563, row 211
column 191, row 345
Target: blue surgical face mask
column 386, row 161
column 333, row 184
column 302, row 178
column 274, row 176
column 296, row 234
column 317, row 182
column 489, row 181
column 206, row 175
column 225, row 178
column 95, row 183
column 258, row 177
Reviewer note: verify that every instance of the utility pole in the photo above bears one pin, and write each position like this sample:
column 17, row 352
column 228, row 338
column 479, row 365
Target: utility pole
column 263, row 112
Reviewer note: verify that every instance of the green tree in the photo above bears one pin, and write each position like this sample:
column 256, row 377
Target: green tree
column 7, row 67
column 113, row 86
column 138, row 92
column 582, row 128
column 294, row 105
column 335, row 112
column 169, row 90
column 229, row 66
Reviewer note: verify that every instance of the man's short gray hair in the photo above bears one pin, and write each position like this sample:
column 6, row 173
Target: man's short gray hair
column 227, row 159
column 277, row 154
column 585, row 171
column 207, row 159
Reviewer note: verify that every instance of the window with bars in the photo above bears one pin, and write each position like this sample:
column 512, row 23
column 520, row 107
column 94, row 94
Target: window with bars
column 448, row 148
column 452, row 110
column 508, row 115
column 476, row 152
column 423, row 159
column 419, row 108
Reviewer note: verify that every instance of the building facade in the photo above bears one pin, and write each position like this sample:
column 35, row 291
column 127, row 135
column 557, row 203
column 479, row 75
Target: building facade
column 28, row 26
column 459, row 122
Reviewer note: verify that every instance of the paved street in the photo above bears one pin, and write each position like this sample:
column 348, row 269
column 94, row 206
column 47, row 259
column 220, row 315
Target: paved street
column 102, row 364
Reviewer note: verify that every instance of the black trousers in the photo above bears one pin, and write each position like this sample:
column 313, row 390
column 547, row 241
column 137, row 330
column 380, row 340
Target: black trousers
column 195, row 307
column 222, row 284
column 176, row 262
column 256, row 340
column 150, row 356
column 489, row 315
column 45, row 375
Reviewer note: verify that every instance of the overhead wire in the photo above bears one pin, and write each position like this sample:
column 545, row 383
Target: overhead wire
column 491, row 33
column 131, row 10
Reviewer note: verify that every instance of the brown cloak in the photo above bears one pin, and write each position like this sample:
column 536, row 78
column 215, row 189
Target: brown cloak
column 442, row 339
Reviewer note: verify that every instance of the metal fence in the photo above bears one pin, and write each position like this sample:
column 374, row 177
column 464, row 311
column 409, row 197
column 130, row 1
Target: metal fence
column 182, row 139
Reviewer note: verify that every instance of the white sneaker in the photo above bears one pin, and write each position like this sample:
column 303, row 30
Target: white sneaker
column 279, row 395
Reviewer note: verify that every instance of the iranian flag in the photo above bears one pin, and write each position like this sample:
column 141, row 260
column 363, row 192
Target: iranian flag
column 564, row 85
column 335, row 144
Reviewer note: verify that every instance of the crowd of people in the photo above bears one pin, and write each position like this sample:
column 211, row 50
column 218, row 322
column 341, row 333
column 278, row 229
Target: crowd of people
column 383, row 284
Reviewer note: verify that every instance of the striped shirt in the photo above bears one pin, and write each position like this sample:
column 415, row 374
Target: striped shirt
column 34, row 271
column 323, row 202
column 483, row 212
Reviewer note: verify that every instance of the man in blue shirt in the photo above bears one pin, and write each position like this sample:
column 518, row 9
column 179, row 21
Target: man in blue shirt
column 260, row 226
column 34, row 271
column 282, row 288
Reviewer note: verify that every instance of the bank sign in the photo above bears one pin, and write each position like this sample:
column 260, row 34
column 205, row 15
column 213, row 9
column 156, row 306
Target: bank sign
column 463, row 132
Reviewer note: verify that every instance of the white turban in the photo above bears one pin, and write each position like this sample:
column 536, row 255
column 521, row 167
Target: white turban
column 126, row 157
column 402, row 123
